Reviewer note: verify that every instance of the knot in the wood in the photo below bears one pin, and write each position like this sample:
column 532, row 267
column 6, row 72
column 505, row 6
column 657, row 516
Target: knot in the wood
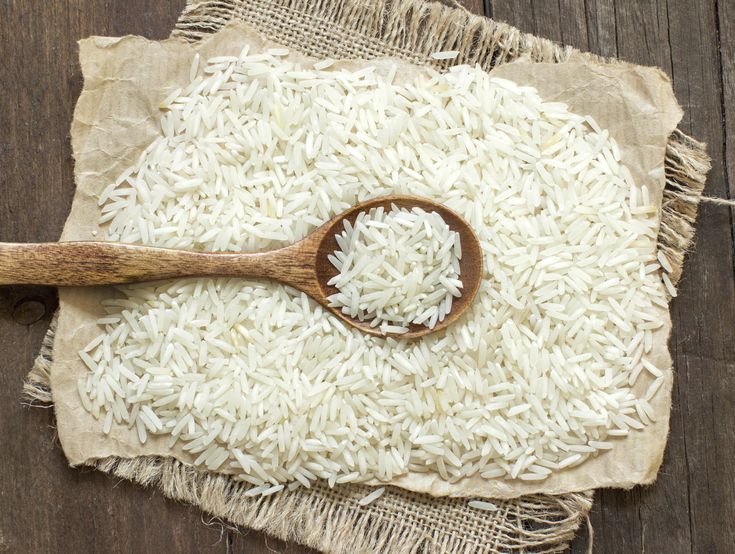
column 29, row 310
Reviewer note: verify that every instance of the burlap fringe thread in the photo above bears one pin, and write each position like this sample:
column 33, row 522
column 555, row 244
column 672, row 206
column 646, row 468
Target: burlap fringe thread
column 399, row 521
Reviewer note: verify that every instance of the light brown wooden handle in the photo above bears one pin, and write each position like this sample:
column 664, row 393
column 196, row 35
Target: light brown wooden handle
column 79, row 264
column 107, row 263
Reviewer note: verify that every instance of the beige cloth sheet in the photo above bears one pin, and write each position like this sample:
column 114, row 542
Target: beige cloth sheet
column 117, row 116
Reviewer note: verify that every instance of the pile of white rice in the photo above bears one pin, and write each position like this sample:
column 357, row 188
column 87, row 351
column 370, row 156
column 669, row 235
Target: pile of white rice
column 396, row 268
column 254, row 378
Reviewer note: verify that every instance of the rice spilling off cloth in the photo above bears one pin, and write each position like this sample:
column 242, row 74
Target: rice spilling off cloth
column 255, row 379
column 397, row 268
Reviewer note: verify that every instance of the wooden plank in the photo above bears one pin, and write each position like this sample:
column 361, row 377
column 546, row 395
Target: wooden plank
column 601, row 27
column 49, row 507
column 705, row 344
column 642, row 33
column 573, row 21
column 562, row 21
column 541, row 18
column 726, row 36
column 250, row 542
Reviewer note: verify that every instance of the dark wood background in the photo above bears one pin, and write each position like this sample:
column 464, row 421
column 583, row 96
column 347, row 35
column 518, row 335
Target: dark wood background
column 47, row 507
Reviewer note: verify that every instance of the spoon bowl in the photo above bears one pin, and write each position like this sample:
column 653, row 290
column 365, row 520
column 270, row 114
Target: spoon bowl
column 470, row 264
column 303, row 265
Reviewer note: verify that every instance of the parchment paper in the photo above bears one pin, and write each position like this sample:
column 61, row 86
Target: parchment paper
column 117, row 116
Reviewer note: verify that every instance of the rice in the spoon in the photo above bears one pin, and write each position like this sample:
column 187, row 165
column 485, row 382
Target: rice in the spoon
column 396, row 268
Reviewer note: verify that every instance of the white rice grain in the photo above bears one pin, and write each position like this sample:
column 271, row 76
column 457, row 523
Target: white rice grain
column 482, row 505
column 445, row 55
column 377, row 493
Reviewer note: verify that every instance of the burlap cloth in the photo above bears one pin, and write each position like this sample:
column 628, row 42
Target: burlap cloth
column 400, row 521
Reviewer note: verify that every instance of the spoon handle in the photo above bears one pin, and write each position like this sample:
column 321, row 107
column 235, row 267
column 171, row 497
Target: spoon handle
column 96, row 263
column 108, row 263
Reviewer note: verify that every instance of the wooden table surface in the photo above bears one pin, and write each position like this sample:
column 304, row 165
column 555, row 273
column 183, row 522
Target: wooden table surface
column 47, row 507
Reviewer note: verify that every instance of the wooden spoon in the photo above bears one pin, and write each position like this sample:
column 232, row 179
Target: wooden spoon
column 302, row 265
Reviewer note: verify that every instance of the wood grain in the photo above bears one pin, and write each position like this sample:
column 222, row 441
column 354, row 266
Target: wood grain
column 47, row 507
column 84, row 264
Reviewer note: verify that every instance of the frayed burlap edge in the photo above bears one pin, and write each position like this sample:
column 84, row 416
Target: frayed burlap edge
column 400, row 521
